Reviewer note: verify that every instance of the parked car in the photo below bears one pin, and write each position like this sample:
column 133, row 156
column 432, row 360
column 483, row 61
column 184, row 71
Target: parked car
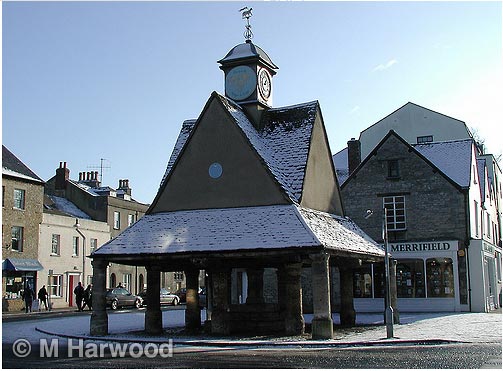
column 182, row 294
column 202, row 297
column 166, row 297
column 120, row 297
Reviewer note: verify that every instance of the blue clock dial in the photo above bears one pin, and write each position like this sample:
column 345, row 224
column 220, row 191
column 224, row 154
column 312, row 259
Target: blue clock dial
column 240, row 82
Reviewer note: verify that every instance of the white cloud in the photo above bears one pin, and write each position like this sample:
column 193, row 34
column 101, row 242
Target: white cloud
column 383, row 67
column 354, row 110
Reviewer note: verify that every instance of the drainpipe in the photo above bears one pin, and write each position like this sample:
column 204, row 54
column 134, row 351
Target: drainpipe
column 77, row 225
column 467, row 245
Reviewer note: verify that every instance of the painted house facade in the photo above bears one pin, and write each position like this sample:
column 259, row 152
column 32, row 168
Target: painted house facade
column 67, row 237
column 113, row 206
column 442, row 223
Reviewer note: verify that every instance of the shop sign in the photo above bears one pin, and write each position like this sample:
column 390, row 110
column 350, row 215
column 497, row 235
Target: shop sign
column 423, row 246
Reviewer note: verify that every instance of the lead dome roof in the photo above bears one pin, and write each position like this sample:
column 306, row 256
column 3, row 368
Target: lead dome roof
column 247, row 51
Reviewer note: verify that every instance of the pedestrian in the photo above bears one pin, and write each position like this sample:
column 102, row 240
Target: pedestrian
column 42, row 297
column 28, row 296
column 119, row 286
column 79, row 295
column 88, row 297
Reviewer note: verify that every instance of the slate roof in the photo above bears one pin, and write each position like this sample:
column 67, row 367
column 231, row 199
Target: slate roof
column 62, row 206
column 340, row 160
column 481, row 168
column 283, row 144
column 247, row 228
column 453, row 158
column 12, row 166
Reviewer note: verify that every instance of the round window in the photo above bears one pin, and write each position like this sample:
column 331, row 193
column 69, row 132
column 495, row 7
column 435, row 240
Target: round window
column 215, row 170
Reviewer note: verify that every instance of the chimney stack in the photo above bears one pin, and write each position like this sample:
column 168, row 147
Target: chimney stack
column 354, row 154
column 62, row 176
column 124, row 186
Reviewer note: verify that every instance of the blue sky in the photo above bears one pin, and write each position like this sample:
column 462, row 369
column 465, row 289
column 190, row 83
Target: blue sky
column 89, row 80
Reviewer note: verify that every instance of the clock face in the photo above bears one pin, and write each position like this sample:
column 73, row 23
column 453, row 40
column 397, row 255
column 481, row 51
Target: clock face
column 264, row 81
column 240, row 82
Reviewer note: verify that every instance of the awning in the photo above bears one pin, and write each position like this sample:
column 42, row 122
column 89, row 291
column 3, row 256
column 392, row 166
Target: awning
column 21, row 265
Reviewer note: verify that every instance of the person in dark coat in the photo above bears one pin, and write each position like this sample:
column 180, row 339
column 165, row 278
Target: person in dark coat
column 79, row 295
column 42, row 296
column 28, row 296
column 88, row 297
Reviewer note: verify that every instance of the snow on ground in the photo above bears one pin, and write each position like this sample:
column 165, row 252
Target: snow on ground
column 466, row 327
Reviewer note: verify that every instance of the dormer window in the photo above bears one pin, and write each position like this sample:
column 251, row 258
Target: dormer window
column 393, row 169
column 425, row 139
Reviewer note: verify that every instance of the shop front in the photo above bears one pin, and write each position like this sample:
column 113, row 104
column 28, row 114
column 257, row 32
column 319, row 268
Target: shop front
column 427, row 279
column 485, row 275
column 17, row 274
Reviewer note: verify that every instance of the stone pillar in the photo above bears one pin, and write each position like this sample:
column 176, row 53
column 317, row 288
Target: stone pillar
column 393, row 292
column 192, row 311
column 290, row 298
column 153, row 314
column 347, row 313
column 322, row 325
column 255, row 286
column 99, row 317
column 220, row 316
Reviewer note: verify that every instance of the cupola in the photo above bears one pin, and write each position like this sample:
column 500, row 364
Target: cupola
column 248, row 72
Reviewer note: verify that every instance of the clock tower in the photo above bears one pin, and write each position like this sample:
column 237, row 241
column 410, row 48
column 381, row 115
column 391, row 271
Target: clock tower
column 248, row 74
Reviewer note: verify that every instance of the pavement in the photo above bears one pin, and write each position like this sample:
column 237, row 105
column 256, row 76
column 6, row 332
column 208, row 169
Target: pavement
column 414, row 328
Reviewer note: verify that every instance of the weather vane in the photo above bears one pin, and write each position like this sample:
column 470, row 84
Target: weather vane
column 246, row 14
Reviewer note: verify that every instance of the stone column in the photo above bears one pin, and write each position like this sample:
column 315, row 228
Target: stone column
column 255, row 286
column 99, row 317
column 153, row 314
column 290, row 298
column 220, row 316
column 192, row 311
column 322, row 325
column 347, row 313
column 393, row 292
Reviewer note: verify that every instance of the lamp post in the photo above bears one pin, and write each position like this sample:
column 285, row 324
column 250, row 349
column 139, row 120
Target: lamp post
column 77, row 226
column 388, row 310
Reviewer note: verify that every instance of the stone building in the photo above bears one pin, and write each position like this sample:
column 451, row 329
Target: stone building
column 116, row 207
column 442, row 220
column 249, row 195
column 22, row 202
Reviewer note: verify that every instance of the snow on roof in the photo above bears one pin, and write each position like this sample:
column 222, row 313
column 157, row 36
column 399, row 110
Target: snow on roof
column 187, row 128
column 15, row 174
column 340, row 160
column 13, row 166
column 66, row 206
column 283, row 144
column 339, row 233
column 453, row 158
column 233, row 229
column 84, row 187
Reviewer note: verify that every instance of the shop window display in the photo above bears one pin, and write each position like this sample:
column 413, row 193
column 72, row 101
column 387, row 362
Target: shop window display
column 410, row 278
column 362, row 281
column 440, row 278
